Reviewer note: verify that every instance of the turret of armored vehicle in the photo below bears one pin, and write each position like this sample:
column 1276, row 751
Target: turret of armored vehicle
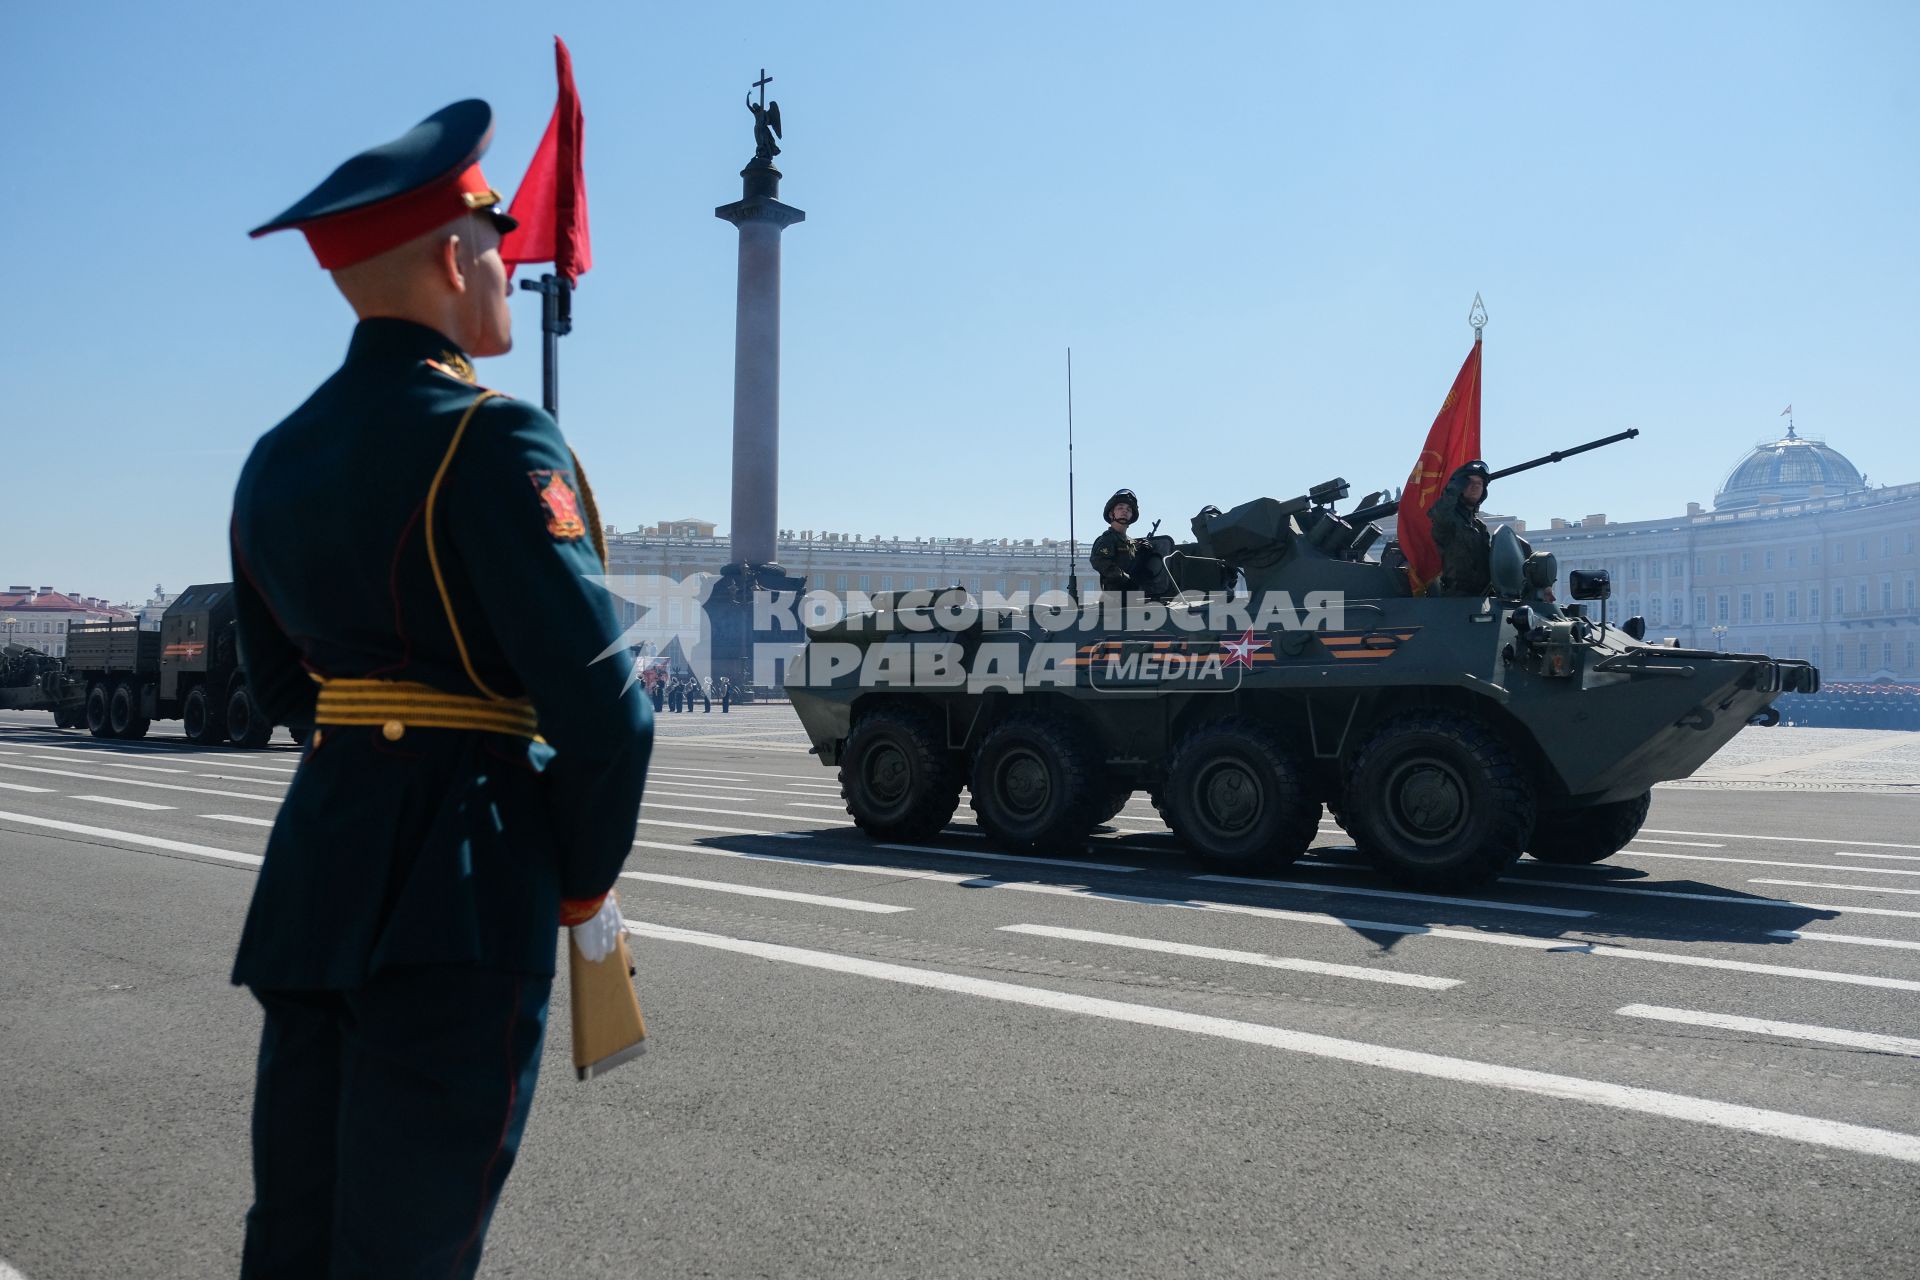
column 1285, row 670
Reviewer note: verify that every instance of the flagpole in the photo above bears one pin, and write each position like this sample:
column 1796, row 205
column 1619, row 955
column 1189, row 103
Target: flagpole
column 556, row 321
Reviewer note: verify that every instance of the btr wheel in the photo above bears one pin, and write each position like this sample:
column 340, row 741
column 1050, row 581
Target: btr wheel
column 1034, row 785
column 898, row 778
column 1238, row 799
column 197, row 717
column 1436, row 800
column 246, row 725
column 1591, row 834
column 99, row 708
column 123, row 712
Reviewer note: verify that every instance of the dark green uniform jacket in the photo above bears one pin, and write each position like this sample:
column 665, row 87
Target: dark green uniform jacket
column 1115, row 558
column 444, row 846
column 1466, row 548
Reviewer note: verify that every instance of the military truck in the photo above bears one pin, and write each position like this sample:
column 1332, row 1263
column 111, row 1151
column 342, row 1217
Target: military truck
column 1286, row 670
column 189, row 670
column 34, row 680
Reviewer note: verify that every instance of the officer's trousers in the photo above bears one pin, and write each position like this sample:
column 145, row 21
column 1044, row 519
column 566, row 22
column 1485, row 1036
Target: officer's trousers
column 386, row 1120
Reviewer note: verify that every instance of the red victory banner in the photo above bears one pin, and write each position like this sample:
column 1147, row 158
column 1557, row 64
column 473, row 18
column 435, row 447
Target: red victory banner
column 1453, row 441
column 551, row 203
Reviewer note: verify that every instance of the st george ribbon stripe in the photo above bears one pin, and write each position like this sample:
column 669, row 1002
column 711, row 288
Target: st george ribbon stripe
column 1833, row 1134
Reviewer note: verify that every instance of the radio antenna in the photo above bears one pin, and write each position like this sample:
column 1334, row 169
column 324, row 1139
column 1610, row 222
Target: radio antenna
column 1073, row 543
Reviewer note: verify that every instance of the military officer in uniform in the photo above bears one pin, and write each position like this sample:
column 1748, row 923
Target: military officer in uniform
column 1466, row 547
column 471, row 780
column 1115, row 556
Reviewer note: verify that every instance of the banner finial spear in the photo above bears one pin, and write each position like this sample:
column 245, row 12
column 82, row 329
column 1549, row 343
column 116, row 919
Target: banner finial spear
column 1477, row 317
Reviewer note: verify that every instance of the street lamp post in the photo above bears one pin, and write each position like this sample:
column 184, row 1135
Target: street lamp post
column 1720, row 636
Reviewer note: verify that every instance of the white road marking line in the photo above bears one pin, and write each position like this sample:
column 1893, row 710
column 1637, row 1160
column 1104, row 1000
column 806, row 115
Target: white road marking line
column 1833, row 1134
column 725, row 831
column 1256, row 958
column 723, row 782
column 1767, row 1027
column 104, row 764
column 731, row 775
column 164, row 786
column 234, row 817
column 124, row 804
column 134, row 837
column 1729, row 899
column 1481, row 936
column 1076, row 863
column 738, row 813
column 1354, row 890
column 808, row 804
column 754, row 891
column 227, row 759
column 16, row 786
column 1816, row 884
column 819, row 864
column 1740, row 835
column 241, row 777
column 9, row 1272
column 1692, row 844
column 1754, row 862
column 1888, row 857
column 1855, row 939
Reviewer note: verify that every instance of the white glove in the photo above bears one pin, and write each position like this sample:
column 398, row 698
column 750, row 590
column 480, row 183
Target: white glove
column 598, row 936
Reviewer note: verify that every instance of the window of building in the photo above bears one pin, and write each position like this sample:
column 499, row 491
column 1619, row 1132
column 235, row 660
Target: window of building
column 1699, row 566
column 1699, row 609
column 1766, row 606
column 1746, row 606
column 1720, row 563
column 1886, row 595
column 840, row 582
column 1678, row 566
column 866, row 582
column 1886, row 544
column 1839, row 553
column 1839, row 601
column 1793, row 604
column 1860, row 596
column 1653, row 609
column 1653, row 567
column 1813, row 602
column 1863, row 556
column 1766, row 561
column 1886, row 653
column 1679, row 613
column 1909, row 550
column 1793, row 556
column 1813, row 654
column 886, row 582
column 1909, row 655
column 1746, row 562
column 1633, row 571
column 1633, row 605
column 1909, row 595
column 1813, row 555
column 1723, row 607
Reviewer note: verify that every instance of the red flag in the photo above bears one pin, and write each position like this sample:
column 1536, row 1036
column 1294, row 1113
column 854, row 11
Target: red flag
column 1452, row 442
column 551, row 203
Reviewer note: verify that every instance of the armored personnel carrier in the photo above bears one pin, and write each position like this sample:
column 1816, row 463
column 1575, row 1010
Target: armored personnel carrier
column 1284, row 671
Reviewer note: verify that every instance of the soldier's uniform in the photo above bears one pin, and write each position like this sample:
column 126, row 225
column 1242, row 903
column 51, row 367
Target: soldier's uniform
column 1115, row 556
column 1466, row 547
column 410, row 557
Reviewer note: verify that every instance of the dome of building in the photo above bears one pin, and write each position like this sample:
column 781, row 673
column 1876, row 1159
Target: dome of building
column 1787, row 470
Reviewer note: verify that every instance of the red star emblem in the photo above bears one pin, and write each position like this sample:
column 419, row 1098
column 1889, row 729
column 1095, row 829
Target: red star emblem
column 1240, row 649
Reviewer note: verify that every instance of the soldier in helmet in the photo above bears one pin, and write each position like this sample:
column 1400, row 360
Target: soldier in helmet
column 1115, row 556
column 1466, row 547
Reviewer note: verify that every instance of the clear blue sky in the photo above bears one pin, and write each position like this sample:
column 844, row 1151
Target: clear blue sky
column 1259, row 227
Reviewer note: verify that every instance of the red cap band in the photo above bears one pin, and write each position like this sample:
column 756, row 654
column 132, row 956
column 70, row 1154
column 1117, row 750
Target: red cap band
column 358, row 234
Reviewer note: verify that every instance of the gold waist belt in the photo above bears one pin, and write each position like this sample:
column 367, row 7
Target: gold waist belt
column 396, row 705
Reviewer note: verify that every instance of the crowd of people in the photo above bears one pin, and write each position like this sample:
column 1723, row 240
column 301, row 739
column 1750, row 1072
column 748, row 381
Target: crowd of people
column 680, row 691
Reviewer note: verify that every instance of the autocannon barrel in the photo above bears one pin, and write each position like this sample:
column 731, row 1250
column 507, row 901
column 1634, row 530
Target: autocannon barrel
column 1381, row 510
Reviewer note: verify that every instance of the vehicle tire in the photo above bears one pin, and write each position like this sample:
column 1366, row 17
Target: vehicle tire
column 1112, row 803
column 123, row 712
column 1237, row 799
column 246, row 725
column 1035, row 785
column 1436, row 800
column 202, row 726
column 99, row 710
column 898, row 778
column 1590, row 834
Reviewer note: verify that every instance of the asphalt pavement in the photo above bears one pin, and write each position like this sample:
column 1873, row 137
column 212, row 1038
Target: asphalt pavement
column 1701, row 1057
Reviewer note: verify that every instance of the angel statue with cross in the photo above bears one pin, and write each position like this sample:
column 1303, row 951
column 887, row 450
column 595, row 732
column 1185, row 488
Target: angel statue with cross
column 766, row 122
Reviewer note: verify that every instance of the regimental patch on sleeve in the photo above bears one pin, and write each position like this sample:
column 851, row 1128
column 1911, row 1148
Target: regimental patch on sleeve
column 562, row 504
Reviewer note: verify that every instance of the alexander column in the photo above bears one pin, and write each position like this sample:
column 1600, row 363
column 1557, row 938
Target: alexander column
column 761, row 217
